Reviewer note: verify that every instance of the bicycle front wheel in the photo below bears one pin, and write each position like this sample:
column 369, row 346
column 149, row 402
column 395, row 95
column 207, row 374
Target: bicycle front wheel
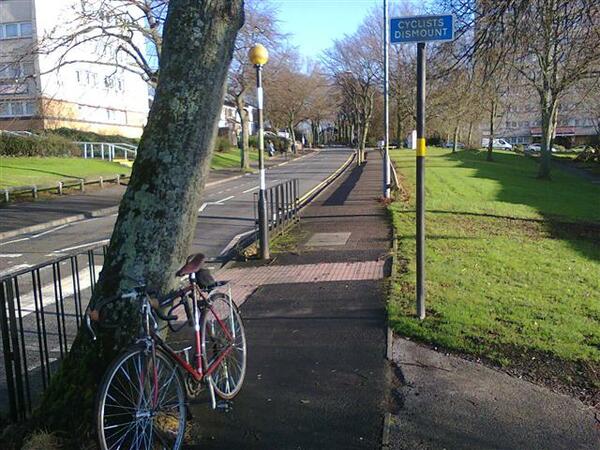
column 141, row 403
column 224, row 345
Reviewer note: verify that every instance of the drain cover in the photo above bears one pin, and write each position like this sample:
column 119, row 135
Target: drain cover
column 328, row 239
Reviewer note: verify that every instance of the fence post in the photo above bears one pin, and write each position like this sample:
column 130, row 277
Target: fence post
column 34, row 191
column 8, row 354
column 59, row 188
column 101, row 182
column 118, row 179
column 82, row 185
column 6, row 195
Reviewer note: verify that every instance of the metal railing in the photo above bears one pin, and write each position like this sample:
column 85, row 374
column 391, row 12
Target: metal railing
column 282, row 205
column 107, row 150
column 41, row 310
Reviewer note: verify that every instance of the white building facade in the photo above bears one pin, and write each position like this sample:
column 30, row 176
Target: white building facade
column 38, row 91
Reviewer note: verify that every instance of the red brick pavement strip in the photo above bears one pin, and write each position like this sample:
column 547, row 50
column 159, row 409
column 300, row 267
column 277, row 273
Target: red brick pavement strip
column 244, row 281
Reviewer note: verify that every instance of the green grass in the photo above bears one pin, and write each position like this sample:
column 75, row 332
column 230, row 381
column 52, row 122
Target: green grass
column 230, row 159
column 510, row 277
column 47, row 171
column 25, row 171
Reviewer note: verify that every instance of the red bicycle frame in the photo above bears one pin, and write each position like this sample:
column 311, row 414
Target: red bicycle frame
column 199, row 372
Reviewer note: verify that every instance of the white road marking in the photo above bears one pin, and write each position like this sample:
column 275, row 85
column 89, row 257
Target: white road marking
column 15, row 269
column 11, row 255
column 16, row 240
column 234, row 241
column 68, row 249
column 250, row 190
column 49, row 231
column 218, row 202
column 66, row 283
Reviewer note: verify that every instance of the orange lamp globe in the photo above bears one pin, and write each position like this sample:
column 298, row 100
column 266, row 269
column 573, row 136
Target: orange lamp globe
column 258, row 55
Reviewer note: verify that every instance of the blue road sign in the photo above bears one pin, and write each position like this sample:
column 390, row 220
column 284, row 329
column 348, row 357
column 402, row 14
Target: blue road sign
column 421, row 29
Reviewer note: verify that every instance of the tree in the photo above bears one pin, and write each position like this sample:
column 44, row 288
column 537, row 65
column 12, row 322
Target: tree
column 354, row 64
column 260, row 27
column 158, row 212
column 563, row 51
column 126, row 33
column 287, row 94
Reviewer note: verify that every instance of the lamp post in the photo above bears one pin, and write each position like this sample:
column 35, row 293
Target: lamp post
column 259, row 56
column 386, row 97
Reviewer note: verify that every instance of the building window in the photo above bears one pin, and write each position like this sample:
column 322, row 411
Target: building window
column 18, row 109
column 15, row 30
column 16, row 70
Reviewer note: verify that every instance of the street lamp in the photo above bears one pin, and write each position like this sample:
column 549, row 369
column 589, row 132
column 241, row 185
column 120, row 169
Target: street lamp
column 259, row 56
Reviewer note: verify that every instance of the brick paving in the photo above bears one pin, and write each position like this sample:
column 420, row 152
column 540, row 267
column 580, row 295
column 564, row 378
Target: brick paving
column 244, row 281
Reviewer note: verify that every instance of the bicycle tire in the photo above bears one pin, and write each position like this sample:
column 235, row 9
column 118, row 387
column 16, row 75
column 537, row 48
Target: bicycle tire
column 165, row 422
column 226, row 385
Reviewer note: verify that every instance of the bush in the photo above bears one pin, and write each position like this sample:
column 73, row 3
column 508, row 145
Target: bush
column 89, row 136
column 519, row 148
column 253, row 141
column 50, row 145
column 222, row 144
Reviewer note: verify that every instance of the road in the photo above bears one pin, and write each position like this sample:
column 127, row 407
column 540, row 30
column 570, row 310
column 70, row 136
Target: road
column 227, row 211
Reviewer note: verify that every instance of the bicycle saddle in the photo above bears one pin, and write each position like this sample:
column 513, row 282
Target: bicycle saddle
column 192, row 264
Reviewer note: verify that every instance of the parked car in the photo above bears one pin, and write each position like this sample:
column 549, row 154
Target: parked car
column 451, row 144
column 536, row 148
column 497, row 143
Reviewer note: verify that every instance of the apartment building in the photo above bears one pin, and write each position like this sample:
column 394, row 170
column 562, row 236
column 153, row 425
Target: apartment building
column 38, row 91
column 520, row 119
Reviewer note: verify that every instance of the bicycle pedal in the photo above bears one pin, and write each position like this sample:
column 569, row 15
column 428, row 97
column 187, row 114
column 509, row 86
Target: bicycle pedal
column 224, row 406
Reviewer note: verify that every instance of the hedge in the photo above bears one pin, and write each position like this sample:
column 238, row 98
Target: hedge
column 90, row 136
column 37, row 146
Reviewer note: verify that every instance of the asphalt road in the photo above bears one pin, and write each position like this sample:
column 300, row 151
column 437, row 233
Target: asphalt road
column 228, row 211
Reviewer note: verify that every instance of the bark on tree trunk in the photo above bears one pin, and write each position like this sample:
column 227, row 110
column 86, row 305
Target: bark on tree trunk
column 158, row 212
column 243, row 113
column 455, row 143
column 549, row 117
column 490, row 154
column 399, row 127
column 470, row 135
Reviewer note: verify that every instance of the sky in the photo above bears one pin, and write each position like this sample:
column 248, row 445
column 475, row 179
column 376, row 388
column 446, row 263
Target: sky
column 314, row 24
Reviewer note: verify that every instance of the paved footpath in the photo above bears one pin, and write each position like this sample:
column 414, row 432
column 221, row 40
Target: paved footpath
column 316, row 330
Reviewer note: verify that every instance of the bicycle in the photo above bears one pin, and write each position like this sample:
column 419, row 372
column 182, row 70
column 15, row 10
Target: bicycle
column 142, row 402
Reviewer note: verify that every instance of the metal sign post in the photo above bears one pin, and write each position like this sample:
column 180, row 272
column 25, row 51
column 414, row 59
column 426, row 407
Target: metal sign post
column 421, row 29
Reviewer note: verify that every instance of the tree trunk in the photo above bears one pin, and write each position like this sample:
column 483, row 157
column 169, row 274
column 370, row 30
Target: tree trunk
column 158, row 212
column 470, row 135
column 243, row 113
column 490, row 154
column 455, row 143
column 549, row 116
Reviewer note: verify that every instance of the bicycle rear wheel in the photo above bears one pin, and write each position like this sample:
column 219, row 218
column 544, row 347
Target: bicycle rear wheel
column 223, row 338
column 141, row 403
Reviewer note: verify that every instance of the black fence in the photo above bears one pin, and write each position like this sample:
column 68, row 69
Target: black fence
column 41, row 309
column 282, row 205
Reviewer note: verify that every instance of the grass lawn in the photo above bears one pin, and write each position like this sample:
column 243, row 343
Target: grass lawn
column 48, row 171
column 230, row 159
column 513, row 265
